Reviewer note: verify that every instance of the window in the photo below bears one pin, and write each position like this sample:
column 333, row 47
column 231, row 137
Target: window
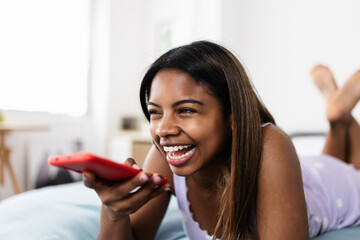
column 44, row 55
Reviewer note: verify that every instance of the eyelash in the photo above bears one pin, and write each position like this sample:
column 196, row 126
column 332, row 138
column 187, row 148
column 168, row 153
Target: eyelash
column 180, row 111
column 187, row 110
column 152, row 112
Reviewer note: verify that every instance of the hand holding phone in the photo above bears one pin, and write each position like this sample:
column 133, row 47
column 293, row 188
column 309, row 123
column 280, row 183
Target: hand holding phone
column 103, row 168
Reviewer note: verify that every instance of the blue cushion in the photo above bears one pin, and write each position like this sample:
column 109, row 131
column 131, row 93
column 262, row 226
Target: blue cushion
column 342, row 234
column 69, row 211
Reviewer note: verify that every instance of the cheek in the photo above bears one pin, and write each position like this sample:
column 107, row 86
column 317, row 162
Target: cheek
column 217, row 133
column 206, row 132
column 197, row 130
column 152, row 131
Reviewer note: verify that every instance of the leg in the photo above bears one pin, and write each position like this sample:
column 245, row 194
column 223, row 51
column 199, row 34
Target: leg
column 336, row 141
column 344, row 131
column 344, row 99
column 342, row 103
column 354, row 143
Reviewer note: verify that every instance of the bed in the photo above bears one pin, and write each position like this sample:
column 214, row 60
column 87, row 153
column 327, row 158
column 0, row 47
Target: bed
column 71, row 211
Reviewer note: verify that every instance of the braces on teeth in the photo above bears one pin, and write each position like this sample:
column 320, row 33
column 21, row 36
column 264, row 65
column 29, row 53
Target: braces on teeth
column 184, row 155
column 175, row 148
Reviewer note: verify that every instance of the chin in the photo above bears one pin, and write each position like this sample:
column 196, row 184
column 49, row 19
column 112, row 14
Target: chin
column 182, row 171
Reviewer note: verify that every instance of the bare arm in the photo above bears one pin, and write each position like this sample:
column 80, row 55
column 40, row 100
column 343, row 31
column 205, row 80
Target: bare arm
column 146, row 221
column 128, row 215
column 114, row 229
column 281, row 207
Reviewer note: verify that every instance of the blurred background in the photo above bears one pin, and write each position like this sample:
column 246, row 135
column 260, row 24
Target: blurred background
column 70, row 70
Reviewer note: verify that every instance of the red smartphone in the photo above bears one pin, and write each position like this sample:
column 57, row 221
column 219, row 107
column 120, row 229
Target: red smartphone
column 103, row 168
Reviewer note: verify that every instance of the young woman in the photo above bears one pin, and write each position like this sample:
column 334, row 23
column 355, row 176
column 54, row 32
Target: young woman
column 235, row 174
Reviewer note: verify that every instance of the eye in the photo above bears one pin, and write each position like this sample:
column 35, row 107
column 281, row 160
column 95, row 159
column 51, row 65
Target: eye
column 186, row 111
column 153, row 112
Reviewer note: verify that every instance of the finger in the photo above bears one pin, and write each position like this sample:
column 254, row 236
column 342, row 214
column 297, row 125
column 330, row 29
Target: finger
column 160, row 187
column 157, row 179
column 116, row 192
column 136, row 166
column 89, row 179
column 129, row 162
column 160, row 190
column 153, row 185
column 128, row 196
column 138, row 199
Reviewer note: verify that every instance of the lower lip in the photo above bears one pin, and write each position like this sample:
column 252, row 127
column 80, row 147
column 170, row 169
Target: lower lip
column 181, row 161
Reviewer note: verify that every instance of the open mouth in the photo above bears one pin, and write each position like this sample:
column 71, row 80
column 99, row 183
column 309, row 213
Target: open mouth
column 177, row 155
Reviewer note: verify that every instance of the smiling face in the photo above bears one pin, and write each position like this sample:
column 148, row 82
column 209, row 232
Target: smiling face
column 187, row 123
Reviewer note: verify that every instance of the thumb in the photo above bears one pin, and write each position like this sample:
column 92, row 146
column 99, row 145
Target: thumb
column 131, row 162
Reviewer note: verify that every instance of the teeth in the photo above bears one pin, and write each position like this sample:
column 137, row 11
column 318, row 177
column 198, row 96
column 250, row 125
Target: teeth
column 175, row 148
column 184, row 155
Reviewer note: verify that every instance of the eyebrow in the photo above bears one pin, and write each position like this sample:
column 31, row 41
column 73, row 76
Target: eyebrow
column 193, row 101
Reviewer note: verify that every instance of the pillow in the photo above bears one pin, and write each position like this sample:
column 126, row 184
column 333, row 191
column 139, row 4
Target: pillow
column 68, row 211
column 342, row 234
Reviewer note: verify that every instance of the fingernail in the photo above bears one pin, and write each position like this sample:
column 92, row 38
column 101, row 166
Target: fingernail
column 168, row 188
column 144, row 177
column 136, row 166
column 157, row 179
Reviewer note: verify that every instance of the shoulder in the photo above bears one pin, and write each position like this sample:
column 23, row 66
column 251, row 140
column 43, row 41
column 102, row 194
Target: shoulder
column 279, row 159
column 276, row 141
column 281, row 208
column 277, row 150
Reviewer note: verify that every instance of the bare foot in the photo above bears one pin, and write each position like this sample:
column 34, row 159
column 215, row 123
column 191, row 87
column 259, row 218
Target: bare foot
column 343, row 100
column 324, row 80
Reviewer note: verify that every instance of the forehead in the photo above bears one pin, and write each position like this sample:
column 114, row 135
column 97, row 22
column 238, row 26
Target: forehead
column 174, row 84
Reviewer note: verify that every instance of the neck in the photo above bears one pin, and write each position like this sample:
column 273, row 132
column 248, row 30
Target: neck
column 208, row 177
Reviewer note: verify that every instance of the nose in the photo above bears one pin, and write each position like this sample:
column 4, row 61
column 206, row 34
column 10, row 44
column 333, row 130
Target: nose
column 167, row 126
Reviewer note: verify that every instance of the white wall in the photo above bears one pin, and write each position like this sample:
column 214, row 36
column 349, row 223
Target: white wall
column 279, row 41
column 139, row 32
column 128, row 44
column 99, row 71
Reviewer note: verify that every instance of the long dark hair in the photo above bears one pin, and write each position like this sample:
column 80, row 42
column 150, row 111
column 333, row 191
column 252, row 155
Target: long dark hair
column 218, row 69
